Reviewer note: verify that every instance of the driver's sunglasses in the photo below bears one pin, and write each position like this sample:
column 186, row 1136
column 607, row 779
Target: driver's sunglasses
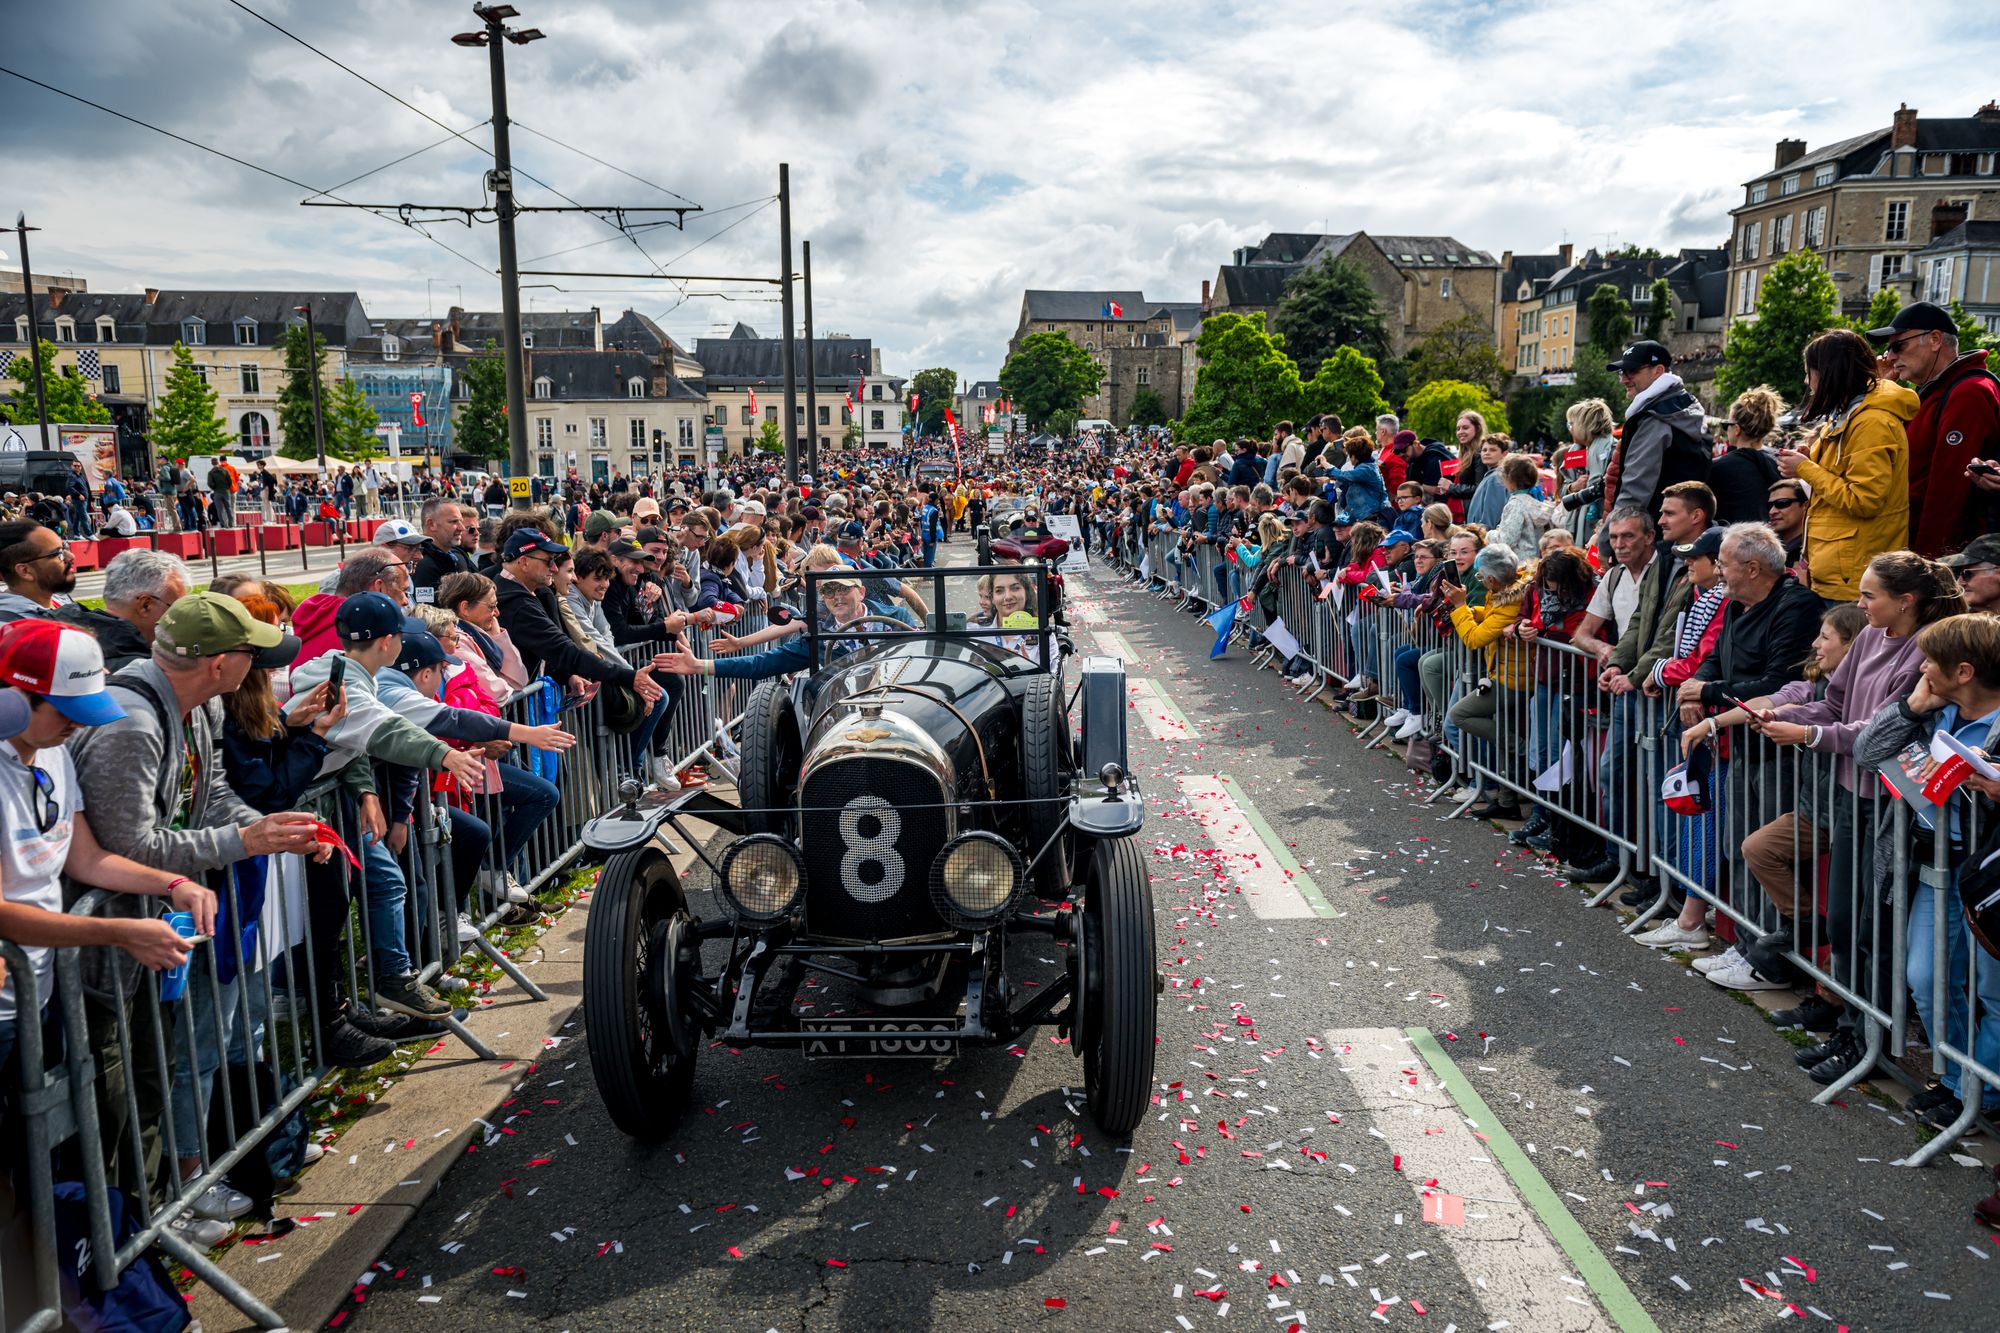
column 47, row 810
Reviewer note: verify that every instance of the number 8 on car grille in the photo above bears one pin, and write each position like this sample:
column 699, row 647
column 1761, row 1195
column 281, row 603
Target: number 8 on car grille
column 871, row 869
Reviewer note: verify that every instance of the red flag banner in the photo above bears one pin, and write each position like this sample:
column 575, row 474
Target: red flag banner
column 416, row 409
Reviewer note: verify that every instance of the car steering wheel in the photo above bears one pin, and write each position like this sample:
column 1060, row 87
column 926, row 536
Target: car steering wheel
column 863, row 620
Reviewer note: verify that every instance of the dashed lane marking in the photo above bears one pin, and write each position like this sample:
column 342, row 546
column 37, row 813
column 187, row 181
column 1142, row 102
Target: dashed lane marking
column 1273, row 883
column 1157, row 713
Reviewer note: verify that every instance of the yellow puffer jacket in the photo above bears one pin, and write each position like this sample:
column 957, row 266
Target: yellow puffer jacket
column 1860, row 478
column 1483, row 627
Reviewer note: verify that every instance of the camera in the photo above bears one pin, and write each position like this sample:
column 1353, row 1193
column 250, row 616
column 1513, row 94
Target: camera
column 1590, row 494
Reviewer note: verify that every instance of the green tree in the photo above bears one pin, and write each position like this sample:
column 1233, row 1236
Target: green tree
column 1635, row 252
column 851, row 437
column 185, row 424
column 770, row 439
column 1433, row 410
column 1148, row 408
column 1882, row 308
column 69, row 399
column 1971, row 333
column 1659, row 309
column 1347, row 385
column 1461, row 349
column 482, row 415
column 295, row 408
column 1063, row 420
column 1610, row 316
column 1796, row 301
column 1331, row 305
column 1246, row 383
column 350, row 423
column 1049, row 373
column 933, row 388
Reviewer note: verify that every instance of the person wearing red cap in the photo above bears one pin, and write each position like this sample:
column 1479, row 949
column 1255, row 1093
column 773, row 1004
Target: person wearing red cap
column 59, row 672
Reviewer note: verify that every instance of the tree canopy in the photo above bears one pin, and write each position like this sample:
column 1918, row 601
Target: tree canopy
column 1048, row 374
column 1327, row 306
column 1148, row 408
column 295, row 409
column 1635, row 252
column 1433, row 410
column 1347, row 385
column 934, row 389
column 69, row 398
column 185, row 424
column 350, row 423
column 1610, row 316
column 770, row 439
column 1461, row 349
column 1659, row 309
column 1796, row 301
column 1246, row 384
column 482, row 415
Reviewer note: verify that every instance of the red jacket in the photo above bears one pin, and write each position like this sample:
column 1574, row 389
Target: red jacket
column 1395, row 471
column 1958, row 420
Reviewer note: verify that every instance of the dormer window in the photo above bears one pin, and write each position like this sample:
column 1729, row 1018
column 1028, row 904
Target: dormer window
column 194, row 332
column 65, row 329
column 635, row 387
column 107, row 329
column 246, row 332
column 20, row 328
column 392, row 347
column 528, row 341
column 544, row 387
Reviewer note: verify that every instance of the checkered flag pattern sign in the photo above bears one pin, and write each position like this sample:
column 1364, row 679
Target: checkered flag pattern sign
column 6, row 360
column 87, row 364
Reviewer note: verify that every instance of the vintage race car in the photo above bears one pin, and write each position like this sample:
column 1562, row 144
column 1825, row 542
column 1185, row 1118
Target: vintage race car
column 907, row 805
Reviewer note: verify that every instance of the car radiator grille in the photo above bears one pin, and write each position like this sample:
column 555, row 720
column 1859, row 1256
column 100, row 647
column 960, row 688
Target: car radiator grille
column 872, row 829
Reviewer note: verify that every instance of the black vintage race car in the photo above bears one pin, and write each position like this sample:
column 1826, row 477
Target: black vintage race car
column 907, row 804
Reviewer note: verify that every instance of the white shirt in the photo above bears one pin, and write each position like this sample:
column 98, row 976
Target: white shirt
column 31, row 861
column 1617, row 597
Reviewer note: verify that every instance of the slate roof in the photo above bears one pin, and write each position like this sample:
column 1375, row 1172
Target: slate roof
column 550, row 328
column 1536, row 270
column 635, row 330
column 984, row 391
column 738, row 360
column 1431, row 252
column 1049, row 305
column 127, row 310
column 1977, row 233
column 1186, row 315
column 599, row 376
column 1253, row 284
column 337, row 315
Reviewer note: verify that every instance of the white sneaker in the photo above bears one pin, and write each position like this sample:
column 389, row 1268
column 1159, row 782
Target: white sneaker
column 661, row 770
column 1673, row 935
column 313, row 1152
column 517, row 892
column 501, row 887
column 219, row 1203
column 1397, row 718
column 200, row 1230
column 467, row 932
column 1413, row 725
column 1730, row 957
column 1741, row 977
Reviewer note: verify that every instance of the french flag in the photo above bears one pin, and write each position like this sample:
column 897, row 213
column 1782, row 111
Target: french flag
column 1112, row 310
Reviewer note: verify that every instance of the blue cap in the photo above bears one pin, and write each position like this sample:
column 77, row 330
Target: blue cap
column 853, row 531
column 531, row 539
column 1343, row 519
column 421, row 649
column 366, row 617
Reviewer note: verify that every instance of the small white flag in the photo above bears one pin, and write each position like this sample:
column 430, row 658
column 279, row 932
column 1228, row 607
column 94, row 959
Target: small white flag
column 1558, row 773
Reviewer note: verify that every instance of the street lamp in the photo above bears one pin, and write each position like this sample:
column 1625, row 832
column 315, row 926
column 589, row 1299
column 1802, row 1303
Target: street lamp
column 312, row 377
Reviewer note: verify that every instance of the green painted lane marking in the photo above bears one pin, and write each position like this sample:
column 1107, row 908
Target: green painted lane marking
column 1282, row 854
column 1568, row 1234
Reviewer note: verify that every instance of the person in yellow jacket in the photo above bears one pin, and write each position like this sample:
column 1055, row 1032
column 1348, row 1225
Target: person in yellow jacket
column 958, row 503
column 1858, row 466
column 1500, row 693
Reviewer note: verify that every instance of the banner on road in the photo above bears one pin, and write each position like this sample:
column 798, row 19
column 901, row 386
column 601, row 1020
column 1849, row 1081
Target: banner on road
column 1066, row 527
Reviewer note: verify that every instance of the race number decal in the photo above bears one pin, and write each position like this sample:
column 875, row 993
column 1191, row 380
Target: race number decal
column 871, row 869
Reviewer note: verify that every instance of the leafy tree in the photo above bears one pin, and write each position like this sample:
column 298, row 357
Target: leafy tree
column 1148, row 408
column 1433, row 410
column 851, row 437
column 1331, row 305
column 770, row 439
column 1395, row 379
column 1636, row 252
column 1610, row 316
column 1882, row 308
column 185, row 424
column 295, row 408
column 1796, row 301
column 482, row 416
column 1049, row 373
column 1459, row 350
column 933, row 388
column 1246, row 383
column 69, row 398
column 1347, row 385
column 1063, row 420
column 1971, row 333
column 1659, row 309
column 350, row 423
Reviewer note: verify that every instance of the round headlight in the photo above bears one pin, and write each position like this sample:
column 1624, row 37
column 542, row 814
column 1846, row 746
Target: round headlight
column 761, row 877
column 975, row 879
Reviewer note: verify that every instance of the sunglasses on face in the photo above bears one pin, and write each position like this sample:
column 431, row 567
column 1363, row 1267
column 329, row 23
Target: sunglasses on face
column 43, row 793
column 1780, row 504
column 1892, row 348
column 1966, row 573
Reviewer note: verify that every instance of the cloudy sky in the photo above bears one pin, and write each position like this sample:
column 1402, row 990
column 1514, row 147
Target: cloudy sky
column 944, row 156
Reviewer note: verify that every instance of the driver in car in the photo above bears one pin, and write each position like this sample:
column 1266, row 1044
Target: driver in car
column 842, row 602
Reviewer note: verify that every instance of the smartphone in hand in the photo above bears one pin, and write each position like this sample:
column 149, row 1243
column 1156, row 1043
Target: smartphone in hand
column 336, row 678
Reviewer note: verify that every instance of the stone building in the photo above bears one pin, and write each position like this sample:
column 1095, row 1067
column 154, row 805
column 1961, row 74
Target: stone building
column 1133, row 339
column 745, row 369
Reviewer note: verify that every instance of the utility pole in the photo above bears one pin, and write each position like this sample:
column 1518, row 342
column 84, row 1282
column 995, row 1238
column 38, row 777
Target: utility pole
column 790, row 348
column 312, row 379
column 812, row 387
column 21, row 230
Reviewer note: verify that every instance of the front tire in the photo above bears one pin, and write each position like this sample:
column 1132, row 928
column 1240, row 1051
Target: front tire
column 771, row 757
column 1121, row 987
column 1047, row 757
column 635, row 968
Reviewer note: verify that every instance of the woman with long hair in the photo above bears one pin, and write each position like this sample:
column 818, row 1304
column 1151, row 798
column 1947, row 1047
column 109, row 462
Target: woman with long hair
column 1858, row 465
column 1471, row 434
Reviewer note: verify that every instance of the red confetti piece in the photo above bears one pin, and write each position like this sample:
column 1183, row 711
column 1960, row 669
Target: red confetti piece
column 1055, row 1303
column 835, row 1263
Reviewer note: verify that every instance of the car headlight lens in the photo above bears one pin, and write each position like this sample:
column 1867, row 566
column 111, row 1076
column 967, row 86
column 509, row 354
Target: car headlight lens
column 761, row 877
column 975, row 879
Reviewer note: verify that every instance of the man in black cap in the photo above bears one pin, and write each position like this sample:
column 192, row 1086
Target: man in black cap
column 1977, row 569
column 1663, row 441
column 1957, row 424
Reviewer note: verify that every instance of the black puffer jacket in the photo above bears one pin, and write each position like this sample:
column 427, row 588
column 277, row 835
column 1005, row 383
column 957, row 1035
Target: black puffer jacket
column 1762, row 646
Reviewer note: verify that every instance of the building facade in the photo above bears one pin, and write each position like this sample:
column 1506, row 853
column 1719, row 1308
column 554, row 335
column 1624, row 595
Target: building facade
column 1964, row 265
column 743, row 379
column 1133, row 340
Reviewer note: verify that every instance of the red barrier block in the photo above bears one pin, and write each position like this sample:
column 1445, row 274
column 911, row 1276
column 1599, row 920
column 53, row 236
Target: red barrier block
column 317, row 534
column 230, row 541
column 278, row 536
column 109, row 547
column 364, row 529
column 186, row 545
column 85, row 554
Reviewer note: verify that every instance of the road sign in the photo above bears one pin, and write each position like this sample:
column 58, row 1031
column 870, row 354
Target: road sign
column 517, row 487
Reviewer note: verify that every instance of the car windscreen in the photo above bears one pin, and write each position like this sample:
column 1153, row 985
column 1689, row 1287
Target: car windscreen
column 1004, row 606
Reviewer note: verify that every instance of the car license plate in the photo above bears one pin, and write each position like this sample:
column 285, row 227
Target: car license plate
column 859, row 1038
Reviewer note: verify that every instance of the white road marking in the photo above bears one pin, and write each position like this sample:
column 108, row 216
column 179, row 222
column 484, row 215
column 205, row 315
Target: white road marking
column 1164, row 723
column 1503, row 1250
column 1269, row 892
column 1115, row 645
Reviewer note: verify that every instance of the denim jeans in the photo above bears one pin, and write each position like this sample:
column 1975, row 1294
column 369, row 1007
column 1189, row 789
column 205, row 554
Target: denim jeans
column 201, row 1057
column 1612, row 782
column 1922, row 972
column 387, row 892
column 525, row 801
column 1407, row 660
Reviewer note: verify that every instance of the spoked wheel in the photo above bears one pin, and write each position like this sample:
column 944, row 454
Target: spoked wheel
column 1048, row 756
column 772, row 755
column 1117, row 987
column 639, row 958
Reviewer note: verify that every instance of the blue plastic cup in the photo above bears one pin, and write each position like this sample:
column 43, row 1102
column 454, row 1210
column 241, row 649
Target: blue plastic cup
column 173, row 980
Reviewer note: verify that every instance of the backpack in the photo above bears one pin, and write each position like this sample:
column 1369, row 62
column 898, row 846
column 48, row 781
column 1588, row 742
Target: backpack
column 141, row 1301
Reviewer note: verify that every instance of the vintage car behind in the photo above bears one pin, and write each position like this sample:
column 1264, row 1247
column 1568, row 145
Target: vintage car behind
column 907, row 806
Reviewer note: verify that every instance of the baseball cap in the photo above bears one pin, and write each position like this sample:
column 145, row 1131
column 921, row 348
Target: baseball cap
column 1404, row 439
column 824, row 584
column 647, row 507
column 399, row 532
column 752, row 507
column 650, row 534
column 1923, row 317
column 203, row 624
column 366, row 617
column 811, row 513
column 1343, row 519
column 1641, row 354
column 61, row 663
column 1980, row 551
column 677, row 503
column 1396, row 537
column 1708, row 543
column 421, row 649
column 853, row 531
column 533, row 539
column 599, row 523
column 626, row 549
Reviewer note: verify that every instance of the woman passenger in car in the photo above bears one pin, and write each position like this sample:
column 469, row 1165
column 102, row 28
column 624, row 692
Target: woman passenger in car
column 842, row 602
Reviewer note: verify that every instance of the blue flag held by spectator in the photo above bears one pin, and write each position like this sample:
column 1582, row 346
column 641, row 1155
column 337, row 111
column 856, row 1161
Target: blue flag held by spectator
column 1223, row 619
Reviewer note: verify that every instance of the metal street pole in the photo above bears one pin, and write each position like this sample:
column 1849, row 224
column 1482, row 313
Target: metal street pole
column 312, row 379
column 502, row 179
column 790, row 348
column 21, row 230
column 812, row 391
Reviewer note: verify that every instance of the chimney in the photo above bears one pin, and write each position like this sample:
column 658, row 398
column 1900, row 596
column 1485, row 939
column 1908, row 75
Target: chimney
column 56, row 295
column 1945, row 215
column 1204, row 296
column 1988, row 114
column 1568, row 253
column 1506, row 260
column 1789, row 151
column 152, row 295
column 1903, row 129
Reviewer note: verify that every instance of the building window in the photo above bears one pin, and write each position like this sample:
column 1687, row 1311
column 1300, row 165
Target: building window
column 545, row 465
column 748, row 415
column 635, row 432
column 250, row 379
column 109, row 375
column 65, row 329
column 598, row 434
column 107, row 329
column 875, row 419
column 1642, row 294
column 1759, row 192
column 392, row 348
column 825, row 415
column 875, row 392
column 1048, row 328
column 1144, row 374
column 1815, row 230
column 255, row 434
column 528, row 341
column 1746, row 291
column 1823, row 175
column 1896, row 221
column 544, row 387
column 246, row 333
column 1090, row 328
column 569, row 428
column 1781, row 235
column 635, row 387
column 1883, row 268
column 194, row 332
column 20, row 328
column 545, row 432
column 1790, row 185
column 1753, row 233
column 686, row 433
column 770, row 413
column 1444, row 288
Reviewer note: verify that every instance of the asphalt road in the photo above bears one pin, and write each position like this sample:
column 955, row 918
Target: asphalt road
column 1307, row 1167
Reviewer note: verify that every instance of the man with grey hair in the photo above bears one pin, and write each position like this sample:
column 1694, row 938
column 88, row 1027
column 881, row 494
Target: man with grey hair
column 1767, row 636
column 139, row 586
column 367, row 569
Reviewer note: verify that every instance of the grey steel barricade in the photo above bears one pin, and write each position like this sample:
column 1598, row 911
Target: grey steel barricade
column 1964, row 983
column 37, row 1118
